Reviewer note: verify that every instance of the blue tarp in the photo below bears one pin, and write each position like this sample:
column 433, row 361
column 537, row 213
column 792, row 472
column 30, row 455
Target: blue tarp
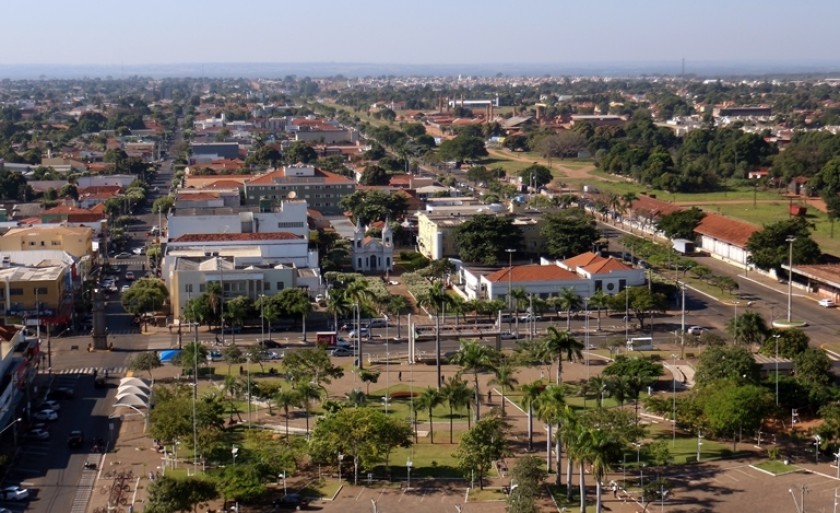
column 168, row 355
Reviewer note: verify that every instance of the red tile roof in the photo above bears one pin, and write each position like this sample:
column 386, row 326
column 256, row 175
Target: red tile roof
column 582, row 260
column 236, row 237
column 653, row 207
column 726, row 229
column 275, row 176
column 533, row 272
column 606, row 266
column 197, row 196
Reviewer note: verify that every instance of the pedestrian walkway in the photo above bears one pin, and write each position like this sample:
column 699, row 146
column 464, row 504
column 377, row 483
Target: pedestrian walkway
column 112, row 371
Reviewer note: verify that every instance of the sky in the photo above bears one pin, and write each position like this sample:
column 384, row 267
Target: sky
column 142, row 32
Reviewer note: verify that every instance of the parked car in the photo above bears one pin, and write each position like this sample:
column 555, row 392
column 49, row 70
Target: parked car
column 268, row 343
column 341, row 351
column 363, row 332
column 139, row 250
column 291, row 500
column 827, row 303
column 14, row 493
column 378, row 323
column 45, row 415
column 508, row 335
column 122, row 255
column 272, row 355
column 214, row 356
column 38, row 434
column 125, row 288
column 75, row 439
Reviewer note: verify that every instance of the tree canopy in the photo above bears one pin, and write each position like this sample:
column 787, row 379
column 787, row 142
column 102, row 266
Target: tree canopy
column 680, row 224
column 461, row 148
column 769, row 246
column 484, row 238
column 568, row 233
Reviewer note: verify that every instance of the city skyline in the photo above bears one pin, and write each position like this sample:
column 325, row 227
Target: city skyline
column 536, row 32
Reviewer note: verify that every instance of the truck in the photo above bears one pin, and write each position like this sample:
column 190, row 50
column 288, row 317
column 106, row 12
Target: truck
column 326, row 338
column 640, row 344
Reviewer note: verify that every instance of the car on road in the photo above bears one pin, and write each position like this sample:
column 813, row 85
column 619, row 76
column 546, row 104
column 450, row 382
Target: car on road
column 267, row 343
column 38, row 434
column 508, row 335
column 291, row 500
column 45, row 415
column 61, row 393
column 827, row 303
column 214, row 356
column 341, row 351
column 14, row 493
column 363, row 332
column 696, row 330
column 122, row 255
column 75, row 439
column 528, row 317
column 125, row 288
column 378, row 323
column 139, row 250
column 272, row 355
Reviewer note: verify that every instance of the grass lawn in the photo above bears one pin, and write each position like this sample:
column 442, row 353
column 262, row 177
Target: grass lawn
column 776, row 467
column 428, row 460
column 559, row 494
column 684, row 450
column 488, row 494
column 321, row 488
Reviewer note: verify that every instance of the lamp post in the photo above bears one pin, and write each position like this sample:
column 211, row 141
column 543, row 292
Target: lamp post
column 817, row 442
column 586, row 334
column 776, row 336
column 12, row 424
column 408, row 464
column 510, row 253
column 340, row 458
column 790, row 240
column 682, row 324
column 283, row 477
column 234, row 450
column 674, row 402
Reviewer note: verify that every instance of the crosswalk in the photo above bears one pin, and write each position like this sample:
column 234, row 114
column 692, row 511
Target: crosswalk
column 112, row 371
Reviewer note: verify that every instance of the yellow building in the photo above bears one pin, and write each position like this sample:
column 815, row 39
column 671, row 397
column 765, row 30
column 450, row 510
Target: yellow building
column 436, row 232
column 77, row 241
column 37, row 292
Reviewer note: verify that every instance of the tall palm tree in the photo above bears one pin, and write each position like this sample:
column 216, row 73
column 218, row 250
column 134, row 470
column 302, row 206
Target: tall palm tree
column 597, row 385
column 457, row 394
column 597, row 447
column 568, row 300
column 568, row 432
column 530, row 393
column 357, row 292
column 437, row 299
column 563, row 345
column 600, row 300
column 504, row 376
column 429, row 399
column 397, row 306
column 287, row 399
column 308, row 392
column 338, row 305
column 474, row 357
column 627, row 200
column 520, row 298
column 214, row 297
column 550, row 407
column 234, row 389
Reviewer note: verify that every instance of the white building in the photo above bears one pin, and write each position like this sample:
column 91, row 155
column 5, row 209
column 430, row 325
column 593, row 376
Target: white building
column 290, row 217
column 371, row 254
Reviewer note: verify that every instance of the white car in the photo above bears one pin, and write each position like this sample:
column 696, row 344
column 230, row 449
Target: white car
column 827, row 303
column 45, row 415
column 696, row 330
column 125, row 288
column 38, row 434
column 14, row 493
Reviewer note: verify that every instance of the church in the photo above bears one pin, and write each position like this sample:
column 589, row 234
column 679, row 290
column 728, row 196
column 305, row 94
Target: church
column 371, row 254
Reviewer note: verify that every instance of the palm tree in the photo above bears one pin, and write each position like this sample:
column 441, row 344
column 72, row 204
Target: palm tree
column 233, row 387
column 296, row 302
column 530, row 393
column 437, row 299
column 599, row 300
column 357, row 292
column 356, row 397
column 568, row 300
column 474, row 357
column 562, row 345
column 550, row 409
column 456, row 393
column 520, row 298
column 337, row 305
column 598, row 448
column 627, row 200
column 429, row 399
column 214, row 297
column 504, row 376
column 598, row 385
column 397, row 306
column 308, row 392
column 568, row 433
column 287, row 399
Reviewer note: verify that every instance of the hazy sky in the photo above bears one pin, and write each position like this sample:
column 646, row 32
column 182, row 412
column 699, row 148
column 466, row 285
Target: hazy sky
column 114, row 32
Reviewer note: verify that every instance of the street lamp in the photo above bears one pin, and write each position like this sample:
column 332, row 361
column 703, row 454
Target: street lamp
column 735, row 330
column 340, row 458
column 234, row 451
column 283, row 477
column 817, row 442
column 11, row 425
column 408, row 464
column 776, row 336
column 790, row 240
column 248, row 369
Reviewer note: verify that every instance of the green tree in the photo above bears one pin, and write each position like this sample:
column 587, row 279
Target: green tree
column 568, row 300
column 504, row 376
column 641, row 301
column 429, row 400
column 461, row 148
column 638, row 373
column 286, row 400
column 561, row 345
column 550, row 407
column 790, row 342
column 295, row 302
column 374, row 175
column 480, row 447
column 397, row 306
column 600, row 300
column 536, row 175
column 163, row 204
column 568, row 233
column 308, row 392
column 457, row 394
column 368, row 376
column 528, row 474
column 436, row 299
column 731, row 407
column 748, row 328
column 770, row 250
column 681, row 224
column 812, row 370
column 233, row 356
column 311, row 365
column 484, row 238
column 365, row 434
column 144, row 295
column 474, row 357
column 236, row 311
column 300, row 153
column 530, row 395
column 168, row 494
column 733, row 363
column 146, row 361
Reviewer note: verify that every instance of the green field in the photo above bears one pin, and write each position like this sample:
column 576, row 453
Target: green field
column 776, row 467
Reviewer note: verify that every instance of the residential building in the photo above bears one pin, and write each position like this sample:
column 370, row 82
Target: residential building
column 208, row 152
column 321, row 189
column 77, row 241
column 372, row 254
column 43, row 293
column 97, row 194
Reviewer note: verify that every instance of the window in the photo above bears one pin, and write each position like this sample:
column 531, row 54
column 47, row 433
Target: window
column 280, row 285
column 41, row 291
column 267, row 285
column 599, row 285
column 188, row 288
column 56, row 243
column 200, row 287
column 622, row 284
column 15, row 292
column 42, row 243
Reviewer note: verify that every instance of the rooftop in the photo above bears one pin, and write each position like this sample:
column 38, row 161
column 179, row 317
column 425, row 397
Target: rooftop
column 16, row 274
column 236, row 237
column 726, row 229
column 533, row 272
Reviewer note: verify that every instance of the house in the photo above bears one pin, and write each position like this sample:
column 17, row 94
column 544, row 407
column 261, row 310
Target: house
column 725, row 238
column 76, row 241
column 96, row 194
column 37, row 292
column 606, row 273
column 542, row 281
column 371, row 254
